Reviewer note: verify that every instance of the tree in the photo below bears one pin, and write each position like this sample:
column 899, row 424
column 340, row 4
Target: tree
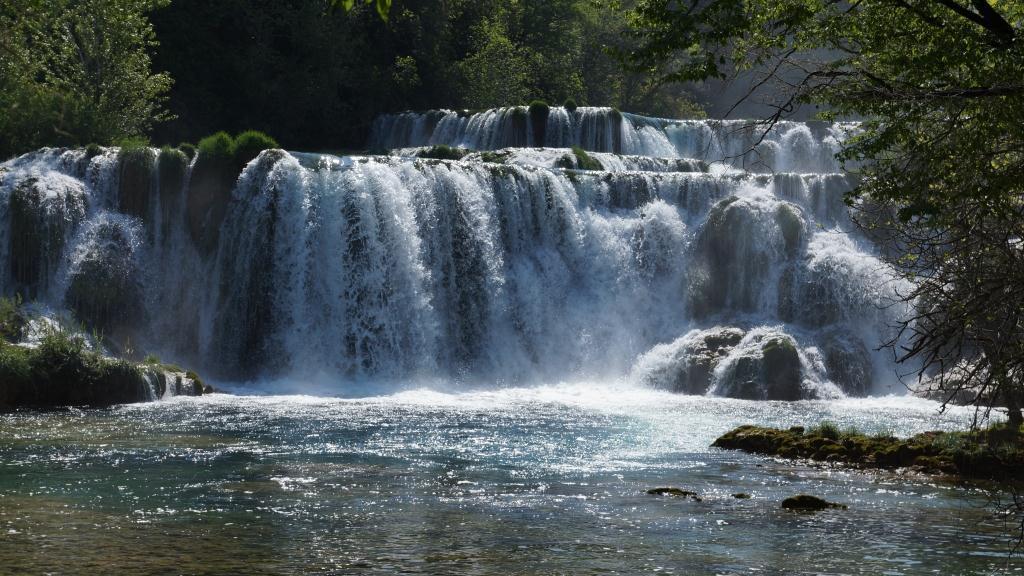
column 73, row 72
column 940, row 152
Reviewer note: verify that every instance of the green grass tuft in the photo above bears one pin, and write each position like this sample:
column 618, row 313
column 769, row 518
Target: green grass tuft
column 249, row 144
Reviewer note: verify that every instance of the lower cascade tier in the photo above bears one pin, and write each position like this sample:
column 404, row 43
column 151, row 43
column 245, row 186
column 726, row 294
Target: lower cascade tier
column 697, row 278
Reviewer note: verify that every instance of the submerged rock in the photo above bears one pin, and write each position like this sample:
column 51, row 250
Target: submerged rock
column 677, row 492
column 806, row 502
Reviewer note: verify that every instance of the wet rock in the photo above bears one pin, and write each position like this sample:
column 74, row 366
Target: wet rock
column 805, row 502
column 687, row 365
column 847, row 362
column 741, row 496
column 677, row 492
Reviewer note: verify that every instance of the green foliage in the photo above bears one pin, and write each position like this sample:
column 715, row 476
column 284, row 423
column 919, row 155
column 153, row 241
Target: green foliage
column 216, row 148
column 570, row 105
column 92, row 150
column 826, row 429
column 249, row 144
column 75, row 72
column 171, row 160
column 539, row 109
column 443, row 152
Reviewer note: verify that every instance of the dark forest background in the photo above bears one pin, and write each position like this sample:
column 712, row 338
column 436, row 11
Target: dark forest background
column 315, row 78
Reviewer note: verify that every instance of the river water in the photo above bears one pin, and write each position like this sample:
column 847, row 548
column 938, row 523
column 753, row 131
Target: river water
column 535, row 480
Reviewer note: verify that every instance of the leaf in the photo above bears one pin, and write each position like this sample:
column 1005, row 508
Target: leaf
column 383, row 8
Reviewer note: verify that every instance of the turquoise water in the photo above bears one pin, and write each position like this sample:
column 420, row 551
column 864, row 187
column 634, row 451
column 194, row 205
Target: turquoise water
column 545, row 480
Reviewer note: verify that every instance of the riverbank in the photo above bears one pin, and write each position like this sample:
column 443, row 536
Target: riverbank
column 43, row 364
column 990, row 453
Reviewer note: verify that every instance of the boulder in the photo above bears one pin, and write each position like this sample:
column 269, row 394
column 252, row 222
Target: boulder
column 807, row 503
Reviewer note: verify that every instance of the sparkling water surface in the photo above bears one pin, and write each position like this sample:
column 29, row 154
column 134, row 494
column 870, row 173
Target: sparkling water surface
column 541, row 480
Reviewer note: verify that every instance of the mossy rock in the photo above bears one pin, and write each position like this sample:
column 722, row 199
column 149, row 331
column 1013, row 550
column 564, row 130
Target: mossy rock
column 676, row 492
column 570, row 105
column 209, row 191
column 104, row 290
column 741, row 496
column 136, row 180
column 539, row 111
column 791, row 225
column 584, row 161
column 443, row 152
column 781, row 368
column 42, row 214
column 92, row 150
column 188, row 149
column 808, row 503
column 172, row 167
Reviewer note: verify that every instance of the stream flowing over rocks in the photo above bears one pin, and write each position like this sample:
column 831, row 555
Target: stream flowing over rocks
column 700, row 258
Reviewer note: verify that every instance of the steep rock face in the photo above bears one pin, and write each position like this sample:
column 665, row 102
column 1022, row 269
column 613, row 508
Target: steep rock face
column 103, row 283
column 43, row 211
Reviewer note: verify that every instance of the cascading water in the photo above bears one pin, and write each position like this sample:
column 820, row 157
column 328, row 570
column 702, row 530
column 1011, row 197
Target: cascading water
column 673, row 264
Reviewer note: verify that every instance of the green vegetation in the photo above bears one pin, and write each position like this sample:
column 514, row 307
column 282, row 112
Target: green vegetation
column 996, row 452
column 65, row 370
column 137, row 163
column 216, row 148
column 570, row 105
column 249, row 144
column 443, row 152
column 77, row 72
column 583, row 161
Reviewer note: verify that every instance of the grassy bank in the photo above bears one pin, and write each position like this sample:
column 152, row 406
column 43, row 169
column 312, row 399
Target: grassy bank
column 61, row 368
column 991, row 453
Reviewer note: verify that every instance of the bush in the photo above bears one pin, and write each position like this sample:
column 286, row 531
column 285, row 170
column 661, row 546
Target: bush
column 570, row 105
column 92, row 150
column 217, row 148
column 137, row 165
column 249, row 144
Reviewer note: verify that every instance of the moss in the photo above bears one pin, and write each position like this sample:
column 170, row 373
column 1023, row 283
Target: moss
column 92, row 150
column 209, row 191
column 806, row 502
column 539, row 111
column 443, row 152
column 584, row 160
column 974, row 454
column 249, row 144
column 570, row 104
column 494, row 157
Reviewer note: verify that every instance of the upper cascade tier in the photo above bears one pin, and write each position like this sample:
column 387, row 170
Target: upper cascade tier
column 516, row 265
column 807, row 147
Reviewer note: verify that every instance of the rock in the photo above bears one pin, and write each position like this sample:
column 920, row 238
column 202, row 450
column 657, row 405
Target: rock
column 806, row 502
column 847, row 362
column 766, row 365
column 686, row 365
column 781, row 368
column 677, row 492
column 741, row 495
column 791, row 225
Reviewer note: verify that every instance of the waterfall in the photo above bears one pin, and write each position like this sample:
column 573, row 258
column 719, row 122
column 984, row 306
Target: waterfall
column 700, row 258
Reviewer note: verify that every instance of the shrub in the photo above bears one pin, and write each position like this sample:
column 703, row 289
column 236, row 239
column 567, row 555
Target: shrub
column 217, row 148
column 584, row 161
column 570, row 105
column 137, row 165
column 92, row 150
column 249, row 144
